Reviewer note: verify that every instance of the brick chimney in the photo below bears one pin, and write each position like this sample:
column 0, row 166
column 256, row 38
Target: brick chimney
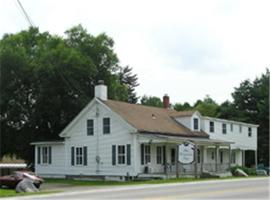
column 166, row 101
column 101, row 90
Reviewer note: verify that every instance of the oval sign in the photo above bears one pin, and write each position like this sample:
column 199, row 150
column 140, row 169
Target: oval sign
column 186, row 153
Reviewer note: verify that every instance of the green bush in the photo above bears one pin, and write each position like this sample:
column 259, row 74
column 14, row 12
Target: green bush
column 248, row 171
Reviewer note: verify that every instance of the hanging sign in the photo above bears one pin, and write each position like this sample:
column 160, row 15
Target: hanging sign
column 186, row 153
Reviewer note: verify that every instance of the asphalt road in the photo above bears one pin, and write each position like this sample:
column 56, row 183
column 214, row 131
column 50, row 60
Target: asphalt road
column 257, row 188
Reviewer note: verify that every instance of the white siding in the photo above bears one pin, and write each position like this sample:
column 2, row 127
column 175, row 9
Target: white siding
column 100, row 144
column 186, row 121
column 57, row 166
column 241, row 139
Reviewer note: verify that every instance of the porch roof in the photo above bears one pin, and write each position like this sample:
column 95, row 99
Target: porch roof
column 156, row 138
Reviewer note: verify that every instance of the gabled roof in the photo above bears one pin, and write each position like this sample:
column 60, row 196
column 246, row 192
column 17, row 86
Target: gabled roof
column 147, row 119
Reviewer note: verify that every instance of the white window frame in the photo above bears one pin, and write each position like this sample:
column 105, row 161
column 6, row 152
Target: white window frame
column 159, row 156
column 193, row 124
column 44, row 155
column 79, row 156
column 121, row 154
column 89, row 128
column 147, row 155
column 240, row 128
column 224, row 128
column 107, row 126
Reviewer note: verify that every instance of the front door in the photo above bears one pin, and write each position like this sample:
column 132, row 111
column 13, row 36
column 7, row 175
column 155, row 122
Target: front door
column 173, row 156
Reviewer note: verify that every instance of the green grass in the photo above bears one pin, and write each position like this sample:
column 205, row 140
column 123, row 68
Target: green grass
column 12, row 193
column 116, row 183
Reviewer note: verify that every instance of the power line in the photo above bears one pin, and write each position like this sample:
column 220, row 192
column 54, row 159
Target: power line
column 25, row 14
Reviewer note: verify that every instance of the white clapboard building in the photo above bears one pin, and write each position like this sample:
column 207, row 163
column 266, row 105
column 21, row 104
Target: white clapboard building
column 110, row 139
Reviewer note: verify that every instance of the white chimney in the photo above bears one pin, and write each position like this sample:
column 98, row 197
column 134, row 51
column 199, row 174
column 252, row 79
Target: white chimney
column 101, row 91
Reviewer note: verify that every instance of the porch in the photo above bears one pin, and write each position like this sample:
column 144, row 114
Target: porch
column 159, row 156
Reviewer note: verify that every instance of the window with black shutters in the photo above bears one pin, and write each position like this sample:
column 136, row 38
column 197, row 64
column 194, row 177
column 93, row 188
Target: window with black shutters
column 211, row 127
column 195, row 124
column 90, row 127
column 106, row 126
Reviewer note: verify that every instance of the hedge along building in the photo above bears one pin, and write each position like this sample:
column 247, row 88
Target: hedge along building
column 117, row 139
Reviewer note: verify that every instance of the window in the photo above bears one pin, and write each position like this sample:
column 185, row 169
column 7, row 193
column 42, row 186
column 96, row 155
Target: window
column 90, row 127
column 249, row 132
column 233, row 158
column 121, row 154
column 195, row 123
column 44, row 155
column 211, row 127
column 221, row 156
column 147, row 154
column 79, row 155
column 231, row 127
column 106, row 126
column 224, row 128
column 159, row 155
column 240, row 128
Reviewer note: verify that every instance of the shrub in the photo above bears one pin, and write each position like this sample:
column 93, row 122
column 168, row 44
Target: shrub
column 248, row 171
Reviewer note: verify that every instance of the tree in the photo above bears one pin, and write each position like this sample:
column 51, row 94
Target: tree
column 151, row 101
column 46, row 80
column 251, row 100
column 182, row 107
column 207, row 107
column 131, row 81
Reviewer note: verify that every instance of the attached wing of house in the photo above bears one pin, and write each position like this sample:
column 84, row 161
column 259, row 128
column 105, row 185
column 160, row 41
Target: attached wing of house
column 117, row 139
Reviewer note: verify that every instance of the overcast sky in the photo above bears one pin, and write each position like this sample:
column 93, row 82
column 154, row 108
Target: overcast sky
column 187, row 49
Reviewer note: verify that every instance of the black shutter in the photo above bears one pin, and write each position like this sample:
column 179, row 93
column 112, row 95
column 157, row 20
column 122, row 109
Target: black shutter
column 142, row 154
column 38, row 155
column 50, row 155
column 164, row 155
column 128, row 154
column 72, row 155
column 113, row 155
column 84, row 155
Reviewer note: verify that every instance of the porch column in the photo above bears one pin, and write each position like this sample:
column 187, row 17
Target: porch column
column 216, row 158
column 196, row 161
column 202, row 158
column 230, row 156
column 243, row 158
column 256, row 159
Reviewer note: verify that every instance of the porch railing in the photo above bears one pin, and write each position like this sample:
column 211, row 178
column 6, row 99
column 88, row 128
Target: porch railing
column 189, row 169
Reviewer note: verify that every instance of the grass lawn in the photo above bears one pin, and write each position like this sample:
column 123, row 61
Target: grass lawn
column 12, row 193
column 108, row 183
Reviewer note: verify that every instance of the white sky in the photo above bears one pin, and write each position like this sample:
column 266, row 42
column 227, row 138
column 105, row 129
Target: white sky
column 187, row 49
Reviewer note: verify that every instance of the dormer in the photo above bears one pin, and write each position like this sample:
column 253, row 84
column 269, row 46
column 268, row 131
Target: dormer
column 195, row 121
column 190, row 119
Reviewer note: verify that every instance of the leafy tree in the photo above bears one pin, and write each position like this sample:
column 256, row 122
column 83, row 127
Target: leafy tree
column 251, row 99
column 207, row 107
column 46, row 80
column 131, row 81
column 182, row 107
column 151, row 101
